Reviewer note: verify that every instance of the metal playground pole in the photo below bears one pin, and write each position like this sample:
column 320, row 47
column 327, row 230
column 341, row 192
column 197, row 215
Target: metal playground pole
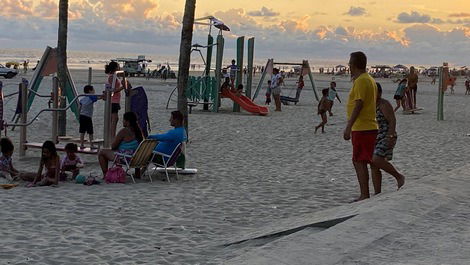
column 55, row 105
column 90, row 72
column 24, row 113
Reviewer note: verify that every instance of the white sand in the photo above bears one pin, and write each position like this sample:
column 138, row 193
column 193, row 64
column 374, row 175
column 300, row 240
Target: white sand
column 253, row 170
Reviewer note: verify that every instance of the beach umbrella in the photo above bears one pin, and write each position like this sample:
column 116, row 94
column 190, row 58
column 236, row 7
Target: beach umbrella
column 213, row 22
column 340, row 66
column 400, row 66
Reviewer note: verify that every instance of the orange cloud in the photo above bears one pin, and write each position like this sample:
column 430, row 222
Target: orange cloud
column 398, row 38
column 16, row 8
column 300, row 24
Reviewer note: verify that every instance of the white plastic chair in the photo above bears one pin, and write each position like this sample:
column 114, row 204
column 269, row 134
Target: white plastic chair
column 168, row 160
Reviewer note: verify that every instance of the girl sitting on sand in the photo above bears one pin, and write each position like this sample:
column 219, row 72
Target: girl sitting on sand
column 399, row 94
column 71, row 162
column 323, row 106
column 385, row 142
column 50, row 161
column 6, row 165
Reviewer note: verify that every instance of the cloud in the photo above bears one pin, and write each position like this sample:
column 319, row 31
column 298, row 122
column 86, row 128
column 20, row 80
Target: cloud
column 413, row 17
column 16, row 8
column 356, row 11
column 294, row 25
column 459, row 15
column 416, row 17
column 458, row 21
column 106, row 25
column 341, row 31
column 264, row 12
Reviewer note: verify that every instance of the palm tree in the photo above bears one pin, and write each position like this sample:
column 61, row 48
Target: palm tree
column 185, row 57
column 62, row 62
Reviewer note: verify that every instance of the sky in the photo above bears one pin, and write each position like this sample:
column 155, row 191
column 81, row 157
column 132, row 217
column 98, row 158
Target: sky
column 399, row 31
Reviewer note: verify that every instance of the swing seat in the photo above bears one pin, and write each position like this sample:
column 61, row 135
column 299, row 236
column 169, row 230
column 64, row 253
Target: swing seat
column 285, row 100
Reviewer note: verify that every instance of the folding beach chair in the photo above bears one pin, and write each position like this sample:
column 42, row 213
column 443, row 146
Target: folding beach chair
column 140, row 158
column 168, row 160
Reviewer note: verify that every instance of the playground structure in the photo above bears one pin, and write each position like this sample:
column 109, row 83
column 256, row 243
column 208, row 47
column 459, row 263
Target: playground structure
column 205, row 89
column 305, row 70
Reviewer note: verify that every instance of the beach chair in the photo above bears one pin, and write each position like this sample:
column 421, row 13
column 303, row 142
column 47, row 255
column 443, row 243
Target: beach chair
column 168, row 160
column 140, row 158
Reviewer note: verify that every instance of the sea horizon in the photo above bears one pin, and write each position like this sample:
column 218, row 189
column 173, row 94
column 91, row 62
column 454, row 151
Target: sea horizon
column 83, row 59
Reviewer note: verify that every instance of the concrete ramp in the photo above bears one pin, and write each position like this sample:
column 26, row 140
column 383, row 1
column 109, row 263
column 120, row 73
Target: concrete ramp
column 427, row 222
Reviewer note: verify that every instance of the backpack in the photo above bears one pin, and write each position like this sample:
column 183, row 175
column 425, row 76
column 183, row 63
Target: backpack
column 115, row 174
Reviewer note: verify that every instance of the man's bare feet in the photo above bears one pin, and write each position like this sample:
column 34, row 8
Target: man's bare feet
column 400, row 181
column 316, row 129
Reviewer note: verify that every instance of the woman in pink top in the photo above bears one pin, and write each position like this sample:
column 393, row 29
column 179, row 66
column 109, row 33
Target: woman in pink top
column 110, row 69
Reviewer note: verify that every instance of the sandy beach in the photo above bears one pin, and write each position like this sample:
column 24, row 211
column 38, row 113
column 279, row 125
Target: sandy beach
column 253, row 171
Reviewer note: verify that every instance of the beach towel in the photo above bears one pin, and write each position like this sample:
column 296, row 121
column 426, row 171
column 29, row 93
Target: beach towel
column 139, row 105
column 8, row 186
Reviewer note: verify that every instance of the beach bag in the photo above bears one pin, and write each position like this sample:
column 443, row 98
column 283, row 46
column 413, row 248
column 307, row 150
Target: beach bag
column 115, row 174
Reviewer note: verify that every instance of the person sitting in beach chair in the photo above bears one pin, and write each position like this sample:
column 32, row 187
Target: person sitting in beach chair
column 170, row 140
column 126, row 141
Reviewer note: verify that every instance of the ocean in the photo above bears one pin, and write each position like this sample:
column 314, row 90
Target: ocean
column 97, row 60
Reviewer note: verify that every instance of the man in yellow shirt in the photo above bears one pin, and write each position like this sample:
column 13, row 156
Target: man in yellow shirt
column 362, row 126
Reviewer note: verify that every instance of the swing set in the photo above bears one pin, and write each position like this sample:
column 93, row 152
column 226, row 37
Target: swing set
column 305, row 70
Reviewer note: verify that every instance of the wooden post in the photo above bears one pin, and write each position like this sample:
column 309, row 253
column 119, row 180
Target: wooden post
column 90, row 73
column 24, row 117
column 239, row 77
column 268, row 68
column 55, row 105
column 249, row 79
column 127, row 90
column 310, row 76
column 218, row 71
column 443, row 76
column 107, row 117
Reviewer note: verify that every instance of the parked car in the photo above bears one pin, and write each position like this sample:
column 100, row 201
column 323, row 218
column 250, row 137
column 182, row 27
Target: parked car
column 134, row 67
column 8, row 72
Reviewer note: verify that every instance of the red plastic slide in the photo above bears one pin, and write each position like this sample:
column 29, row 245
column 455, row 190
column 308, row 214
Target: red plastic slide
column 245, row 103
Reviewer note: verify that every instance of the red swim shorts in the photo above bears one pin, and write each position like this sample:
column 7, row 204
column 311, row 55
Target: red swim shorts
column 363, row 145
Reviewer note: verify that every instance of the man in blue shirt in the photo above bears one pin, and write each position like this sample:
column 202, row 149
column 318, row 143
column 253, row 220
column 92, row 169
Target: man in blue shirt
column 169, row 140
